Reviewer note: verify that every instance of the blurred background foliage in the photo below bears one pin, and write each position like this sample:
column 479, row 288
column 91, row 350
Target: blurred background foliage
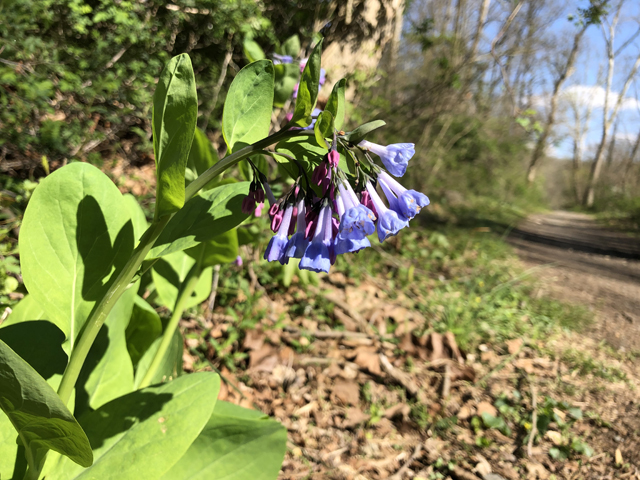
column 462, row 79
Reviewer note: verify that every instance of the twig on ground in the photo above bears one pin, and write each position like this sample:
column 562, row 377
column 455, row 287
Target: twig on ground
column 214, row 291
column 399, row 376
column 416, row 453
column 534, row 420
column 446, row 387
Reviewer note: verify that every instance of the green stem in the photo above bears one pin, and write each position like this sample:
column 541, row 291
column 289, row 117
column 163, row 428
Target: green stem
column 230, row 160
column 117, row 288
column 94, row 324
column 187, row 289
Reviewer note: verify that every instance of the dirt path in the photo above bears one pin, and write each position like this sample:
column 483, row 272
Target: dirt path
column 579, row 261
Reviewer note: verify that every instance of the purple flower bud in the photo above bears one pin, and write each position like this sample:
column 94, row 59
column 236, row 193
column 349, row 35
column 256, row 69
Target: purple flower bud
column 278, row 243
column 322, row 176
column 389, row 223
column 248, row 204
column 405, row 202
column 333, row 158
column 395, row 157
column 317, row 256
column 276, row 215
column 238, row 261
column 298, row 242
column 323, row 76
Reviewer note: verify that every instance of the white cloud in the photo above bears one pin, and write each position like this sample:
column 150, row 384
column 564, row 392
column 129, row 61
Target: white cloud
column 594, row 96
column 626, row 137
column 585, row 96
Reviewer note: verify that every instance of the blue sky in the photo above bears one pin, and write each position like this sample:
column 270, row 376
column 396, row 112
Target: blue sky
column 584, row 84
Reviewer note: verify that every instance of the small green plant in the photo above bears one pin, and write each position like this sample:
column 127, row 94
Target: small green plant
column 104, row 394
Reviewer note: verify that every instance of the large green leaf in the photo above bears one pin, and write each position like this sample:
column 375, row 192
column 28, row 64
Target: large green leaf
column 306, row 151
column 171, row 366
column 308, row 89
column 222, row 249
column 170, row 272
column 107, row 372
column 175, row 109
column 13, row 463
column 336, row 103
column 359, row 134
column 252, row 50
column 144, row 327
column 25, row 310
column 246, row 117
column 202, row 155
column 236, row 444
column 137, row 215
column 291, row 46
column 42, row 421
column 286, row 77
column 76, row 232
column 324, row 129
column 205, row 216
column 144, row 433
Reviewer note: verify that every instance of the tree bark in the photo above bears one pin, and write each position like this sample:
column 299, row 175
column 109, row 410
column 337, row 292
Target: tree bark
column 596, row 168
column 538, row 152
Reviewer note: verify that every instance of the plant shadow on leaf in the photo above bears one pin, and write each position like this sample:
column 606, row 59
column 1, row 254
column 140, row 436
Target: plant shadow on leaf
column 111, row 418
column 96, row 250
column 98, row 350
column 195, row 223
column 39, row 343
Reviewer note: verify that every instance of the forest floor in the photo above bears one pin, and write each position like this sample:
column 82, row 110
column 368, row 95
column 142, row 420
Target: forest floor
column 379, row 388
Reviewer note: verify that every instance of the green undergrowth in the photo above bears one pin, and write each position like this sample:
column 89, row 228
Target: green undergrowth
column 466, row 280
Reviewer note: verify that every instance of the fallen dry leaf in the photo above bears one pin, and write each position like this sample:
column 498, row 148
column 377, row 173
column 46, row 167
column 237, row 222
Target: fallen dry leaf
column 370, row 361
column 619, row 460
column 483, row 467
column 354, row 417
column 347, row 392
column 514, row 345
column 486, row 407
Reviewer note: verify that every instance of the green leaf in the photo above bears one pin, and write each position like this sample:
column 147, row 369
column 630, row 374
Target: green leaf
column 202, row 155
column 175, row 109
column 336, row 103
column 170, row 272
column 144, row 433
column 138, row 218
column 252, row 51
column 306, row 151
column 286, row 77
column 42, row 421
column 171, row 366
column 76, row 232
column 362, row 131
column 144, row 327
column 308, row 89
column 107, row 372
column 37, row 342
column 291, row 46
column 246, row 117
column 13, row 463
column 222, row 249
column 236, row 444
column 205, row 216
column 324, row 128
column 25, row 310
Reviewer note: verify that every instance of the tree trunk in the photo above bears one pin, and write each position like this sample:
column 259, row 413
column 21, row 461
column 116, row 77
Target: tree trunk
column 596, row 168
column 542, row 140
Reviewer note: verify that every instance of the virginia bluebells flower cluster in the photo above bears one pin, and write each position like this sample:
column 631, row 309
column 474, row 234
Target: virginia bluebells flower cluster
column 334, row 213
